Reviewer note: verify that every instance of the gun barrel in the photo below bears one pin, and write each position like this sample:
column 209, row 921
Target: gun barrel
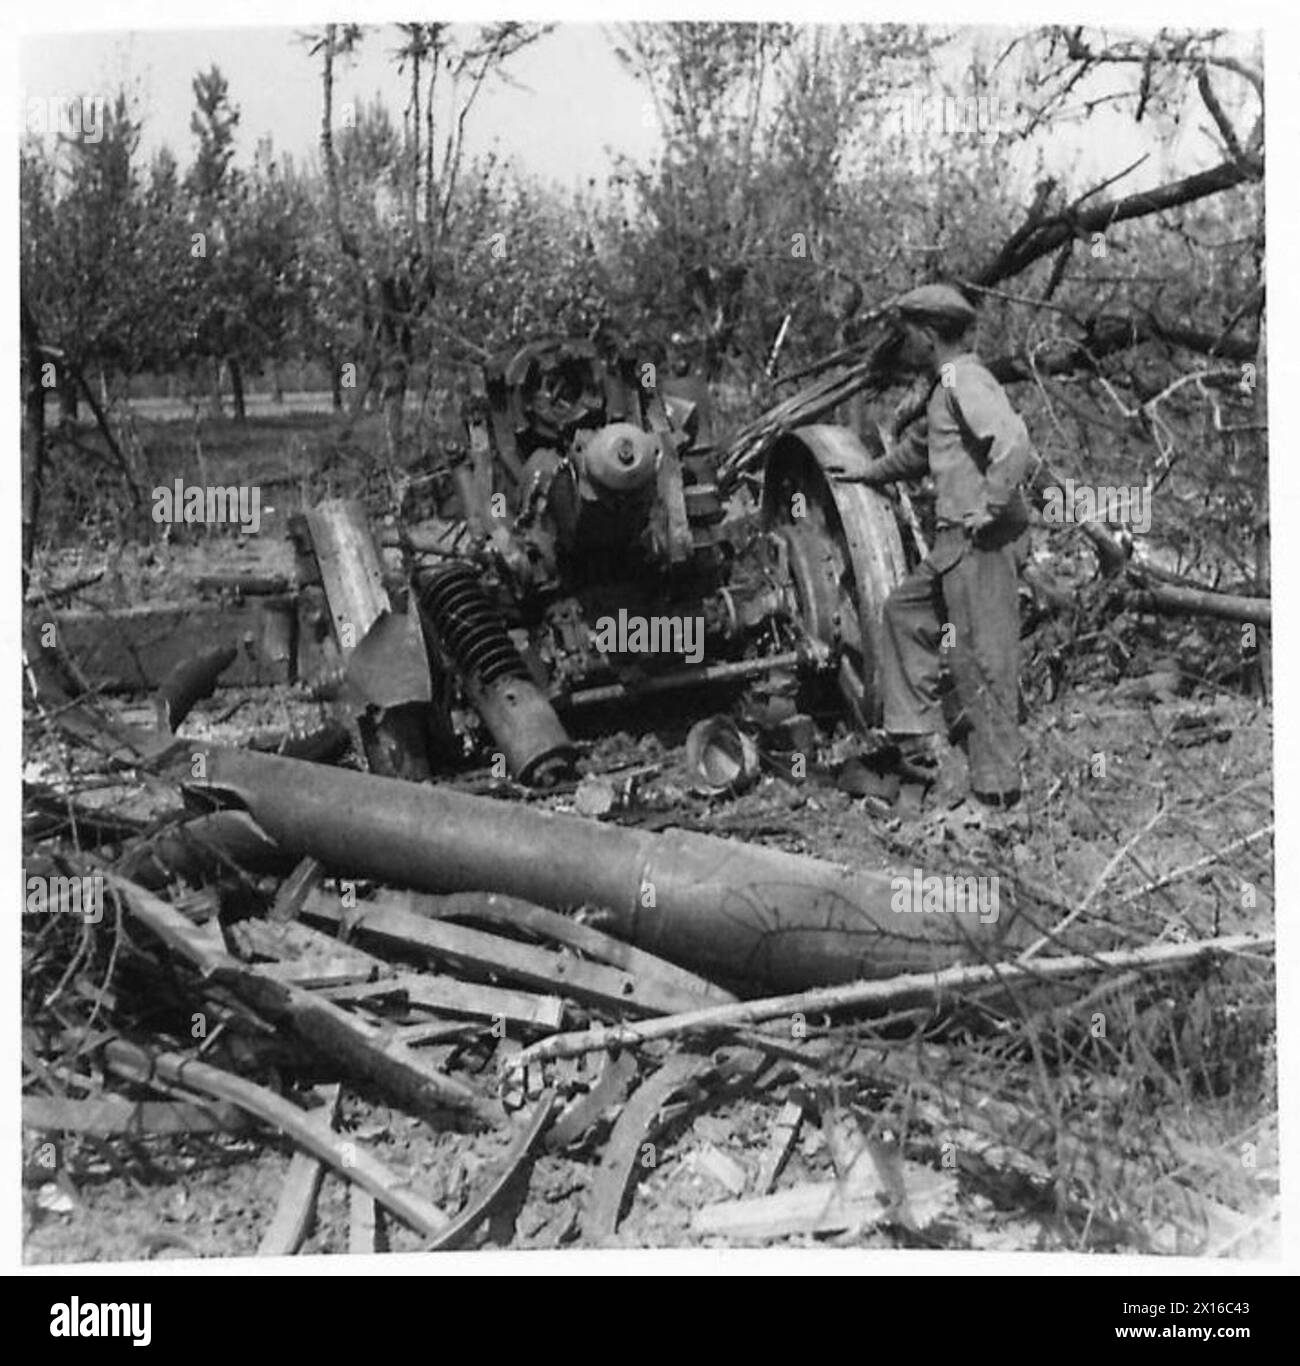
column 740, row 913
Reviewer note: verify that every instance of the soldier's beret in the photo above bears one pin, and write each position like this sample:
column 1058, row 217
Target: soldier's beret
column 935, row 301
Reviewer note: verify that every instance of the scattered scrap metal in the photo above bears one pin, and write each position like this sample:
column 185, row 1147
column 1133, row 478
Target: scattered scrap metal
column 375, row 930
column 407, row 922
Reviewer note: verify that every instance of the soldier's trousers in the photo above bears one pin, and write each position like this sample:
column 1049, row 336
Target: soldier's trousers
column 965, row 598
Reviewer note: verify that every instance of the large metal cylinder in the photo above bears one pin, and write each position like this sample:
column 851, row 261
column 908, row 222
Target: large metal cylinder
column 743, row 914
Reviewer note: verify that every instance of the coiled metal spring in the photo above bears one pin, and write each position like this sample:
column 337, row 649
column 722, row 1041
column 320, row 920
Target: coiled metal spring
column 468, row 624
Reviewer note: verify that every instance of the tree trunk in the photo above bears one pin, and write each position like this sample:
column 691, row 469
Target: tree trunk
column 327, row 128
column 415, row 138
column 430, row 199
column 33, row 437
column 1257, row 443
column 394, row 406
column 237, row 387
column 69, row 398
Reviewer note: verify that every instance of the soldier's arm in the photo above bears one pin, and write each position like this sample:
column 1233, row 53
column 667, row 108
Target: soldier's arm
column 907, row 460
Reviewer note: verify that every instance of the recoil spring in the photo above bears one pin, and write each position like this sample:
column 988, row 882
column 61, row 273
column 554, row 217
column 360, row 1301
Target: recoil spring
column 468, row 624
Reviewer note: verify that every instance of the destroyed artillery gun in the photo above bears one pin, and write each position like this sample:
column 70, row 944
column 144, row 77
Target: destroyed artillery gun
column 586, row 551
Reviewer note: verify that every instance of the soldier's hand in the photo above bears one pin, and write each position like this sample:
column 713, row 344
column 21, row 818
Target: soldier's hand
column 977, row 519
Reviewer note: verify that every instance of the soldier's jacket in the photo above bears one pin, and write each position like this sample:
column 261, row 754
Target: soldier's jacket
column 975, row 447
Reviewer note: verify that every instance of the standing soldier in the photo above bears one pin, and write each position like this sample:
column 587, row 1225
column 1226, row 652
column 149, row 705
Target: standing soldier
column 964, row 594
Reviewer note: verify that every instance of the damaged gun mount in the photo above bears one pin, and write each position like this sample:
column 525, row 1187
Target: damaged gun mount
column 582, row 551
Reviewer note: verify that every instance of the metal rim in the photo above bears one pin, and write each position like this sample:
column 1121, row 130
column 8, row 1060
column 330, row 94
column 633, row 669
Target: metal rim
column 846, row 553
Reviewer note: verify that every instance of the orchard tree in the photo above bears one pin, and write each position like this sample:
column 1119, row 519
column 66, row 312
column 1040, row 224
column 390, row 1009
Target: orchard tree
column 393, row 236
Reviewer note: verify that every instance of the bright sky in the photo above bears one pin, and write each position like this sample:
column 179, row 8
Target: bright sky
column 571, row 102
column 569, row 109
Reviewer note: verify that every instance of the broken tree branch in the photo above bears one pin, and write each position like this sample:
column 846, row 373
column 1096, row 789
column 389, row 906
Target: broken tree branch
column 909, row 986
column 291, row 1221
column 1170, row 601
column 328, row 1028
column 346, row 1156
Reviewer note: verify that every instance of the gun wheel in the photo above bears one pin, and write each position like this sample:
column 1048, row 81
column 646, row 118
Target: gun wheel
column 844, row 551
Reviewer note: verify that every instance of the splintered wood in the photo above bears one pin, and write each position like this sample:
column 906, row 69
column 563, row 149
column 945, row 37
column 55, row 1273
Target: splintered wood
column 291, row 1222
column 561, row 1078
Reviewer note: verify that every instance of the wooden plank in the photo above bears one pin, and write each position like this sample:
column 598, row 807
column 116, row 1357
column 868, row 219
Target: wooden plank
column 359, row 1048
column 709, row 1160
column 435, row 1031
column 437, row 992
column 296, row 1207
column 293, row 890
column 134, row 649
column 823, row 1207
column 490, row 953
column 325, row 977
column 784, row 1132
column 877, row 1187
column 302, row 954
column 651, row 972
column 350, row 569
column 363, row 1222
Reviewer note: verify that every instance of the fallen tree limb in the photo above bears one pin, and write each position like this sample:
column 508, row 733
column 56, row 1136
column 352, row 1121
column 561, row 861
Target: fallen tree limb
column 1216, row 856
column 917, row 985
column 1044, row 233
column 1168, row 600
column 346, row 1156
column 291, row 1221
column 349, row 1042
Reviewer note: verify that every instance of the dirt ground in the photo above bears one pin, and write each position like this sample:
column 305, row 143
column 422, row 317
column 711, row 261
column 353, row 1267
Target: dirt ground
column 213, row 1196
column 1160, row 1137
